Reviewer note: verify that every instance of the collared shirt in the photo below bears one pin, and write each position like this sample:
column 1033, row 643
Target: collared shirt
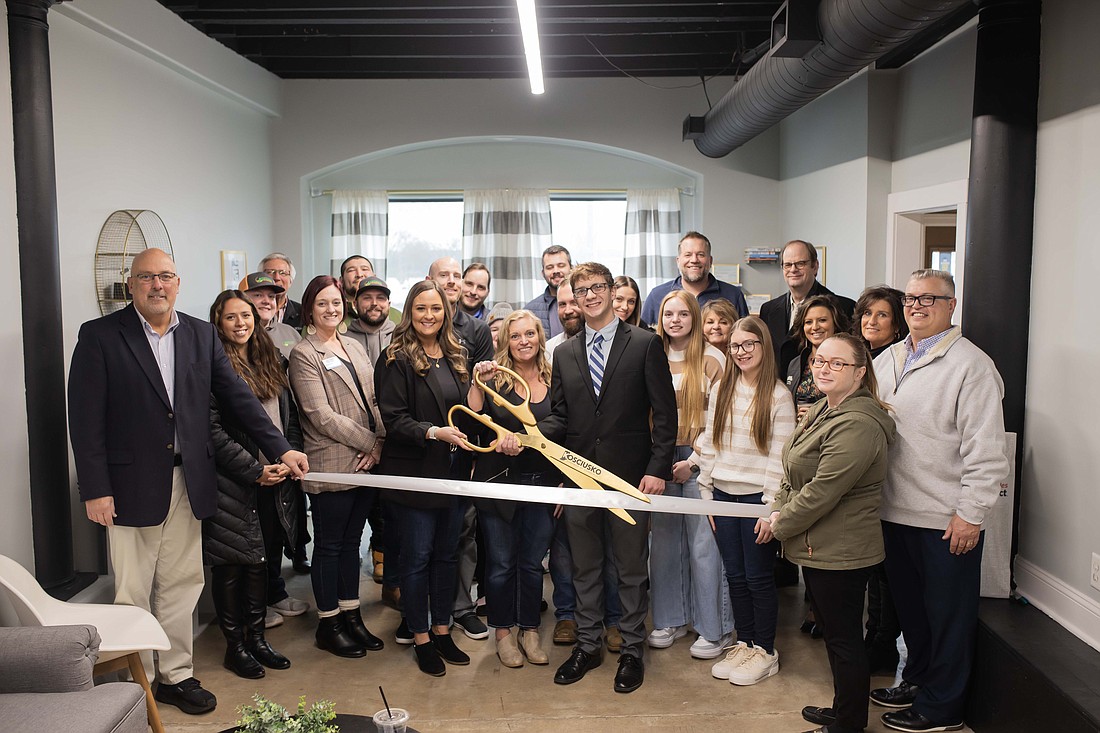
column 545, row 306
column 715, row 289
column 164, row 352
column 914, row 354
column 608, row 333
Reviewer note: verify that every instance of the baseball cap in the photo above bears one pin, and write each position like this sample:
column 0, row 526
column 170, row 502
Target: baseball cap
column 372, row 282
column 257, row 280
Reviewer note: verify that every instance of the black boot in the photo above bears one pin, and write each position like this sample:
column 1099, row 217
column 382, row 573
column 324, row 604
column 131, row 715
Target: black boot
column 353, row 621
column 333, row 636
column 428, row 659
column 228, row 592
column 256, row 577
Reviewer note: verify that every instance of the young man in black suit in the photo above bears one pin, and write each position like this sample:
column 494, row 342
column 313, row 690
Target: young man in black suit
column 609, row 385
column 139, row 421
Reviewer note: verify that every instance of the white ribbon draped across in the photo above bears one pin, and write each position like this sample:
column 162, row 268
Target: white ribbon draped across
column 547, row 495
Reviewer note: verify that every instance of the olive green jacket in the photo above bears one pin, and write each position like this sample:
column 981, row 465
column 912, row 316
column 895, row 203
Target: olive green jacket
column 834, row 465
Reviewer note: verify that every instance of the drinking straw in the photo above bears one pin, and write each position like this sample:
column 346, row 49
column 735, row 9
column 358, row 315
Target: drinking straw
column 388, row 712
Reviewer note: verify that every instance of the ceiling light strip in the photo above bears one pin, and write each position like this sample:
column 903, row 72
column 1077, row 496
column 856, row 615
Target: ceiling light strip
column 529, row 27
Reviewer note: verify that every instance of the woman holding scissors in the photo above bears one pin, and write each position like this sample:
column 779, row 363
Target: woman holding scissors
column 748, row 419
column 420, row 376
column 517, row 534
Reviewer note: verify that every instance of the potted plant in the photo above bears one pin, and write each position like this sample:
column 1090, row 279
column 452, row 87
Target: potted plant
column 266, row 716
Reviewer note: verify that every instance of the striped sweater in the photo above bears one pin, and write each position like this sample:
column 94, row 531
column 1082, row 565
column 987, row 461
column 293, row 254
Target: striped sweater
column 736, row 467
column 714, row 361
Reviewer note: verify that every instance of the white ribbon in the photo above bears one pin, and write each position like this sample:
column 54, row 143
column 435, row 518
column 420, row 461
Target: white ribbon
column 547, row 495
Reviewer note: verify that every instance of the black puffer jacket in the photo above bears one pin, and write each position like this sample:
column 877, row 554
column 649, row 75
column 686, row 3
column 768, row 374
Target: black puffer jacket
column 233, row 536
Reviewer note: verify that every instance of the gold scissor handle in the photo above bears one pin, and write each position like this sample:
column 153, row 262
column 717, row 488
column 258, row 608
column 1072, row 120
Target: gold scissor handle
column 522, row 411
column 484, row 420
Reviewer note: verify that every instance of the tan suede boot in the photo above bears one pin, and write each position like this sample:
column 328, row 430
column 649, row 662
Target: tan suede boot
column 508, row 652
column 531, row 645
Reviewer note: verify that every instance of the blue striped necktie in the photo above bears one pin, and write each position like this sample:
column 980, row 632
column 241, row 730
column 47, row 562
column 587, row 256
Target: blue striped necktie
column 595, row 363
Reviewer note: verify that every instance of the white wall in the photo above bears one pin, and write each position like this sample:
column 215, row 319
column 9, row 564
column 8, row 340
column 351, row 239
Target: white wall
column 15, row 520
column 1060, row 503
column 327, row 122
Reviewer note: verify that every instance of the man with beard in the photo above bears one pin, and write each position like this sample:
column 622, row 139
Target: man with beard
column 353, row 270
column 475, row 291
column 694, row 261
column 373, row 328
column 572, row 320
column 556, row 266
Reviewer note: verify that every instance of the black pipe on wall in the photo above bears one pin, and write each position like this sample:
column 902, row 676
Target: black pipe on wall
column 1001, row 208
column 40, row 289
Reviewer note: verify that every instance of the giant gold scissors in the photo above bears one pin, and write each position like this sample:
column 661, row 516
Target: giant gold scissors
column 583, row 472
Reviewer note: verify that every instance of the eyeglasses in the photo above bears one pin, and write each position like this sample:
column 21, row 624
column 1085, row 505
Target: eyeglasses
column 926, row 300
column 800, row 265
column 147, row 277
column 747, row 346
column 598, row 288
column 835, row 365
column 273, row 273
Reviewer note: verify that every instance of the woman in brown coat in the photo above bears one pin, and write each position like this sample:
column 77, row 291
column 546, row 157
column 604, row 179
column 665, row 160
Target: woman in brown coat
column 342, row 430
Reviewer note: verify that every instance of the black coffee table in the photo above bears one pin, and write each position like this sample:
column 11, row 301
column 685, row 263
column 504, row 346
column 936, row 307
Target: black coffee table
column 348, row 724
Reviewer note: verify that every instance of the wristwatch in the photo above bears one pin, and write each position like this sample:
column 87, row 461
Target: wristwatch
column 431, row 433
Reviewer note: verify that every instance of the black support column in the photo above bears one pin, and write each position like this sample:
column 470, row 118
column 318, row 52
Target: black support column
column 40, row 288
column 1001, row 211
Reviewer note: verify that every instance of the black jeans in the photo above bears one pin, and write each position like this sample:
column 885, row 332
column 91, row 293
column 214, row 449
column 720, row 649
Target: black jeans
column 429, row 548
column 836, row 597
column 338, row 521
column 274, row 539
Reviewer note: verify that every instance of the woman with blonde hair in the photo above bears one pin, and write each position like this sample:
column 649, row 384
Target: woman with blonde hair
column 517, row 534
column 750, row 417
column 826, row 514
column 683, row 553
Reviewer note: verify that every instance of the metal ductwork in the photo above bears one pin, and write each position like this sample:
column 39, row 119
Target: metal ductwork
column 854, row 33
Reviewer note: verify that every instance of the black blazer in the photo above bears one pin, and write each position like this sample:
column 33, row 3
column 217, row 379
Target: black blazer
column 292, row 315
column 475, row 337
column 410, row 404
column 123, row 428
column 776, row 313
column 614, row 431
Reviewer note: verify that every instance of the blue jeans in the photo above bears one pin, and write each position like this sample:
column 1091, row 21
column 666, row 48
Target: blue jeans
column 750, row 574
column 561, row 575
column 429, row 547
column 338, row 521
column 513, row 567
column 685, row 569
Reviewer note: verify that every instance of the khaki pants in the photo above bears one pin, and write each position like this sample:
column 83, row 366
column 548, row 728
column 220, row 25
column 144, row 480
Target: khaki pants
column 160, row 569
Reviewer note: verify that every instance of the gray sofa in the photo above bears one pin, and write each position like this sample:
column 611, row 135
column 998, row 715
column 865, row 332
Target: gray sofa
column 46, row 684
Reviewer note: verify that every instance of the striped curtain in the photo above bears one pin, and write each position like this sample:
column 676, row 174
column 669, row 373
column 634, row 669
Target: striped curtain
column 652, row 234
column 360, row 225
column 507, row 230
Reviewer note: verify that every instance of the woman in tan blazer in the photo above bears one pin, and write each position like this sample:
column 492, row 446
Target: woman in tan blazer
column 342, row 431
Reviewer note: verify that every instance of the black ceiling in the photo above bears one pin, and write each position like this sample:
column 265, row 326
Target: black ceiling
column 480, row 39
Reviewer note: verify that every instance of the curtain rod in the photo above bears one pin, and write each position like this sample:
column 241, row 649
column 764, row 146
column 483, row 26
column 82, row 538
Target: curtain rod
column 314, row 193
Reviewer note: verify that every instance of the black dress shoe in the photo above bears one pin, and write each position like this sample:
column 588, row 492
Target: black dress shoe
column 910, row 720
column 630, row 675
column 188, row 696
column 574, row 668
column 821, row 716
column 332, row 636
column 353, row 621
column 428, row 659
column 240, row 662
column 901, row 696
column 445, row 645
column 267, row 656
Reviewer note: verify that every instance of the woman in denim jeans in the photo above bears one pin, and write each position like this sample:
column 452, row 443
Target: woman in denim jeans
column 517, row 534
column 749, row 418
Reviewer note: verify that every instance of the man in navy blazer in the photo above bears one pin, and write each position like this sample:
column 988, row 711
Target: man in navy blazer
column 139, row 421
column 613, row 402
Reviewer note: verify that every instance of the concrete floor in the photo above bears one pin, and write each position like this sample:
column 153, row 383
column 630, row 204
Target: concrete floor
column 679, row 693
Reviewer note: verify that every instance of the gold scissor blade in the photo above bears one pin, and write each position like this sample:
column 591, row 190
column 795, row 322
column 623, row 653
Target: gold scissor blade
column 567, row 461
column 582, row 480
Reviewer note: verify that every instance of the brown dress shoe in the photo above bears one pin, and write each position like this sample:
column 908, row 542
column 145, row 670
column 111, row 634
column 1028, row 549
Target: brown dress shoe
column 377, row 558
column 565, row 631
column 614, row 639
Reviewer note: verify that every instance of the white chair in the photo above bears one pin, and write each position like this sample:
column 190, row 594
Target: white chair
column 125, row 631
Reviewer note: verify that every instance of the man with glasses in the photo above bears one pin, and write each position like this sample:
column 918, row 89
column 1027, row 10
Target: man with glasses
column 139, row 421
column 799, row 263
column 694, row 260
column 612, row 401
column 279, row 268
column 944, row 475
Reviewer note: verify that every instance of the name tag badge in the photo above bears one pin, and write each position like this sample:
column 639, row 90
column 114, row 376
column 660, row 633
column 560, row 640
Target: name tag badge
column 331, row 363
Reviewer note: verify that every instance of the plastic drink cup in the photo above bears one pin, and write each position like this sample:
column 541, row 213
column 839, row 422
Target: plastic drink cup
column 385, row 723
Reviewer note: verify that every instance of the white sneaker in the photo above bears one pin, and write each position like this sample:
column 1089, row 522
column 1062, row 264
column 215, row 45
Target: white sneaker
column 755, row 666
column 721, row 670
column 705, row 649
column 666, row 637
column 272, row 619
column 289, row 607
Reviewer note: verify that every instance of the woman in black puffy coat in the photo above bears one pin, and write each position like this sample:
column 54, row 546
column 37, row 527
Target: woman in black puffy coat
column 252, row 492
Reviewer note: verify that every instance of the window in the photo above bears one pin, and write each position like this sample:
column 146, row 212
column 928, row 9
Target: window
column 591, row 229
